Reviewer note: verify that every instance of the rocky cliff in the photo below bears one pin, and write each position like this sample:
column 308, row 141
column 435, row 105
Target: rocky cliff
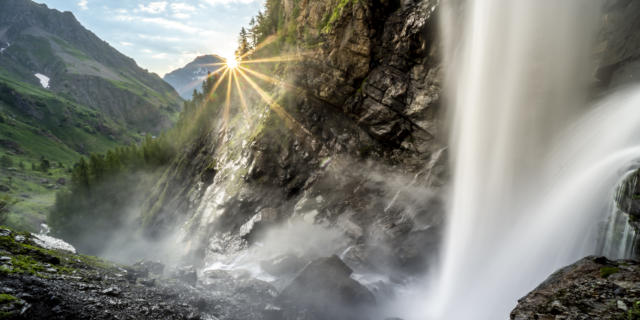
column 352, row 144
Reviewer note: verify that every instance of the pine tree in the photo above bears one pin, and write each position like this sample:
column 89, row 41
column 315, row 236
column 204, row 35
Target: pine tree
column 243, row 43
column 45, row 165
column 253, row 32
column 80, row 176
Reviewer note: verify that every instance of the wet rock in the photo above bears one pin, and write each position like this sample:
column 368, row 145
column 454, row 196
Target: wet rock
column 148, row 282
column 325, row 288
column 149, row 267
column 588, row 289
column 4, row 188
column 112, row 291
column 287, row 264
column 186, row 274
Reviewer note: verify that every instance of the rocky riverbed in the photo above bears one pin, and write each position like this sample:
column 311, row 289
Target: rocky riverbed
column 41, row 283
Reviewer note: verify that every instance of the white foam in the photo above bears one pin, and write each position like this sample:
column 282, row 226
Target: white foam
column 44, row 80
column 5, row 48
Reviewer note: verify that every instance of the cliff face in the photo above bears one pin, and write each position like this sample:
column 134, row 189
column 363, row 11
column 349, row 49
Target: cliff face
column 351, row 144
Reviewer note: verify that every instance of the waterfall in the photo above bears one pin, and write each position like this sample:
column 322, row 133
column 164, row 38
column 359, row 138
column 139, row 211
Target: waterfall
column 619, row 236
column 533, row 164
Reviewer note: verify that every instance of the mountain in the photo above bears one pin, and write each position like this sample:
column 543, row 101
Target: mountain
column 65, row 93
column 190, row 77
column 49, row 48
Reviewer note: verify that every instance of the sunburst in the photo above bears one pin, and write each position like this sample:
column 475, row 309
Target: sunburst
column 236, row 72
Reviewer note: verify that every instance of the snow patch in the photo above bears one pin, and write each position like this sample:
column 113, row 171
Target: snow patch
column 52, row 243
column 44, row 80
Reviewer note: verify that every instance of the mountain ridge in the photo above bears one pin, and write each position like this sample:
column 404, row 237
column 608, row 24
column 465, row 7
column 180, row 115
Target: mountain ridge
column 189, row 77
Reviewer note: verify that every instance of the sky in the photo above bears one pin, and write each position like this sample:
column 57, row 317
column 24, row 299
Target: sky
column 164, row 35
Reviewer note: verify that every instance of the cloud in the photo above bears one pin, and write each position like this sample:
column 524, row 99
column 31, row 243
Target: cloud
column 182, row 7
column 154, row 7
column 83, row 4
column 226, row 2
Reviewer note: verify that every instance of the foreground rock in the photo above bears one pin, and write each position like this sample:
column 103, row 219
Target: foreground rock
column 324, row 290
column 592, row 288
column 39, row 283
column 45, row 283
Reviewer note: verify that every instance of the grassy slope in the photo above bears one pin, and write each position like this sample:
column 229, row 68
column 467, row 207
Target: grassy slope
column 62, row 133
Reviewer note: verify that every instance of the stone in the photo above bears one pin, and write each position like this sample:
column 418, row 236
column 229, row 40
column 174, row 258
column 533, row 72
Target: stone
column 325, row 287
column 149, row 267
column 111, row 291
column 186, row 274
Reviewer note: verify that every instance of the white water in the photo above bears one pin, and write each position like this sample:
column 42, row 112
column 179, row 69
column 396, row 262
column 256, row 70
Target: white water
column 619, row 236
column 532, row 175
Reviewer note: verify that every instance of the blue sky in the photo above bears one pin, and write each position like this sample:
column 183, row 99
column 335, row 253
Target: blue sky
column 164, row 35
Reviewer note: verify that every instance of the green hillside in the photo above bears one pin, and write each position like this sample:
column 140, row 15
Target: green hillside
column 94, row 99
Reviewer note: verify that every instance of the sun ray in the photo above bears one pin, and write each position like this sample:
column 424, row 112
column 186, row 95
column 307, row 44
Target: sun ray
column 195, row 82
column 211, row 74
column 277, row 108
column 227, row 103
column 294, row 57
column 217, row 84
column 243, row 102
column 272, row 80
column 269, row 40
column 214, row 64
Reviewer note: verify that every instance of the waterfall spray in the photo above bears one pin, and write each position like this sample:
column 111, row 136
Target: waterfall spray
column 533, row 175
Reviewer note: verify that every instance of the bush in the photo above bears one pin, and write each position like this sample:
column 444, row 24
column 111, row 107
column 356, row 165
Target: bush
column 6, row 203
column 6, row 161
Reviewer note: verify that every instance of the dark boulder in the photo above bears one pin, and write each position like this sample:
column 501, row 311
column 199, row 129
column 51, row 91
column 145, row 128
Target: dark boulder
column 325, row 290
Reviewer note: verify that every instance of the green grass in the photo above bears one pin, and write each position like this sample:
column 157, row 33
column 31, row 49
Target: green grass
column 330, row 19
column 605, row 272
column 7, row 298
column 59, row 134
column 70, row 49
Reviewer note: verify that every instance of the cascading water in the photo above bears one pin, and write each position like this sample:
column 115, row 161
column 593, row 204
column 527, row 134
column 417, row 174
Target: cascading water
column 619, row 236
column 532, row 176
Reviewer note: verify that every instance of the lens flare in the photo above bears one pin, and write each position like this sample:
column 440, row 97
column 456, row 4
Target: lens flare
column 235, row 74
column 232, row 63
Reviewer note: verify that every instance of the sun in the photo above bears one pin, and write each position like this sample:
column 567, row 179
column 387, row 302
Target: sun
column 232, row 63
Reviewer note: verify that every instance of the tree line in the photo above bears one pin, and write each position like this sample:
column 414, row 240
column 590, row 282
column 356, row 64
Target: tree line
column 103, row 189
